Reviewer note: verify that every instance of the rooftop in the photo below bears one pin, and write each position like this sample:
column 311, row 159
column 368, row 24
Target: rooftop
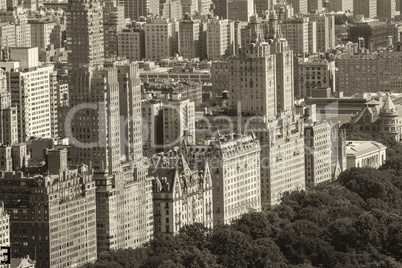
column 361, row 148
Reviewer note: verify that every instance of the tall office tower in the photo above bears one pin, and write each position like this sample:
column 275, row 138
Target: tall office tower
column 296, row 32
column 40, row 32
column 299, row 6
column 340, row 5
column 204, row 7
column 84, row 43
column 313, row 75
column 236, row 180
column 220, row 39
column 131, row 43
column 182, row 194
column 19, row 18
column 368, row 8
column 261, row 6
column 171, row 9
column 4, row 235
column 221, row 8
column 386, row 9
column 191, row 35
column 240, row 10
column 190, row 7
column 161, row 38
column 30, row 91
column 312, row 34
column 318, row 156
column 41, row 209
column 325, row 25
column 113, row 23
column 314, row 6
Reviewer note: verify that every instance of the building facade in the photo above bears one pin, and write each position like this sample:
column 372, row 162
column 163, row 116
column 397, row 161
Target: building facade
column 361, row 154
column 4, row 235
column 318, row 153
column 235, row 178
column 367, row 8
column 220, row 39
column 44, row 208
column 182, row 195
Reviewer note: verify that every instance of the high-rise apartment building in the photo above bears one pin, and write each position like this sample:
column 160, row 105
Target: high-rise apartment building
column 261, row 6
column 135, row 9
column 340, row 5
column 315, row 74
column 240, row 10
column 254, row 84
column 182, row 195
column 5, row 158
column 235, row 179
column 357, row 73
column 325, row 26
column 221, row 8
column 368, row 8
column 30, row 85
column 171, row 9
column 8, row 114
column 7, row 35
column 389, row 68
column 314, row 6
column 296, row 32
column 204, row 7
column 152, row 135
column 189, row 7
column 161, row 38
column 178, row 121
column 53, row 216
column 40, row 32
column 220, row 39
column 85, row 42
column 386, row 9
column 18, row 17
column 131, row 43
column 318, row 157
column 113, row 23
column 101, row 124
column 192, row 35
column 299, row 6
column 374, row 32
column 4, row 235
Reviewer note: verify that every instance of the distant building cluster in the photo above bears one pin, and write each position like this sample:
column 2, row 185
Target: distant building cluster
column 122, row 120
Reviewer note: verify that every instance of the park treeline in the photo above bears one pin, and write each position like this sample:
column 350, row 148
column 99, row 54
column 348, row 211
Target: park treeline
column 355, row 221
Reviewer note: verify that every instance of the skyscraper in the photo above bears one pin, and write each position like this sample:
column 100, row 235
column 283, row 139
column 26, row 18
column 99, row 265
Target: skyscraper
column 85, row 33
column 113, row 23
column 368, row 8
column 103, row 131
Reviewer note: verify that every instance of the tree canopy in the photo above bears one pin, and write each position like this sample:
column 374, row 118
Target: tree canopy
column 353, row 222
